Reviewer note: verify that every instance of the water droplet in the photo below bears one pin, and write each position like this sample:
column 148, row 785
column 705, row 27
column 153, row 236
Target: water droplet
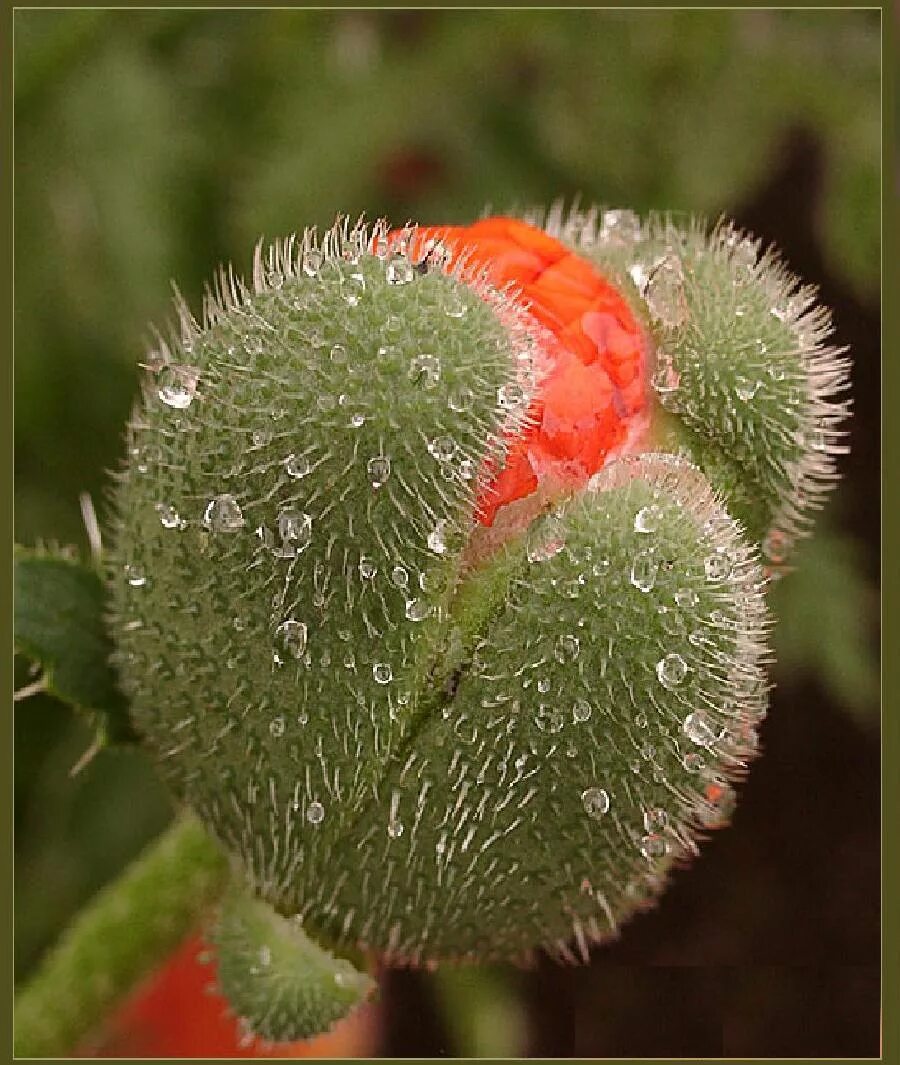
column 543, row 685
column 357, row 420
column 276, row 727
column 664, row 291
column 654, row 846
column 510, row 396
column 671, row 670
column 655, row 820
column 312, row 261
column 545, row 542
column 460, row 399
column 549, row 718
column 595, row 802
column 338, row 354
column 297, row 466
column 717, row 567
column 399, row 577
column 395, row 828
column 399, row 271
column 686, row 598
column 566, row 649
column 169, row 517
column 176, row 385
column 315, row 813
column 581, row 711
column 417, row 609
column 379, row 469
column 776, row 546
column 746, row 389
column 698, row 729
column 367, row 568
column 295, row 530
column 601, row 567
column 223, row 514
column 693, row 762
column 647, row 519
column 135, row 576
column 437, row 538
column 261, row 437
column 442, row 448
column 425, row 370
column 382, row 673
column 291, row 638
column 644, row 569
column 620, row 227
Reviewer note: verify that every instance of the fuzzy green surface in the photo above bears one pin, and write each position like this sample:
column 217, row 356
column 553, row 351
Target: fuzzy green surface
column 281, row 985
column 279, row 738
column 487, row 836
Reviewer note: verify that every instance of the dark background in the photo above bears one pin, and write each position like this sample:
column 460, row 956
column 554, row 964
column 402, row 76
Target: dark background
column 152, row 145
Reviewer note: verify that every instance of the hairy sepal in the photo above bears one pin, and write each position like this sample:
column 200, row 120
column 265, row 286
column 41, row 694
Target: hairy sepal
column 588, row 738
column 743, row 360
column 281, row 985
column 300, row 482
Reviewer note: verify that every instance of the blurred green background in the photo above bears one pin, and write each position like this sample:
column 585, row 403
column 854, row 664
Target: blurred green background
column 152, row 145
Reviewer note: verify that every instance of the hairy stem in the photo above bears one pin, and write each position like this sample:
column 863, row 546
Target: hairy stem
column 128, row 929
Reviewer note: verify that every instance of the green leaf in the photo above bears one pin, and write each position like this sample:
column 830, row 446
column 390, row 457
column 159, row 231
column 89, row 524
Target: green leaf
column 281, row 984
column 59, row 606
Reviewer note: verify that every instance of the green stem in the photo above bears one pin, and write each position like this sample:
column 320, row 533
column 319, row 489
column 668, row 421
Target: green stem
column 126, row 931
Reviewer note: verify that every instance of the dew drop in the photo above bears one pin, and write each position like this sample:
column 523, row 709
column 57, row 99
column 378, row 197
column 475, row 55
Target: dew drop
column 367, row 568
column 698, row 729
column 135, row 576
column 399, row 577
column 717, row 567
column 425, row 370
column 644, row 569
column 549, row 719
column 654, row 846
column 399, row 271
column 671, row 670
column 315, row 813
column 338, row 354
column 567, row 647
column 595, row 802
column 745, row 388
column 647, row 519
column 460, row 399
column 686, row 598
column 442, row 448
column 223, row 514
column 581, row 711
column 176, row 386
column 664, row 292
column 295, row 529
column 382, row 673
column 510, row 396
column 693, row 762
column 417, row 609
column 291, row 638
column 655, row 820
column 454, row 306
column 297, row 466
column 395, row 828
column 169, row 517
column 379, row 469
column 546, row 542
column 276, row 727
column 312, row 261
column 437, row 538
column 619, row 227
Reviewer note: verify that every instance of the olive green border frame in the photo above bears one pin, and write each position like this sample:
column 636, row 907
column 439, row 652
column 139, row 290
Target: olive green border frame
column 890, row 483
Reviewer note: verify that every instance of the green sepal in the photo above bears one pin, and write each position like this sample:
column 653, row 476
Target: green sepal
column 59, row 611
column 281, row 984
